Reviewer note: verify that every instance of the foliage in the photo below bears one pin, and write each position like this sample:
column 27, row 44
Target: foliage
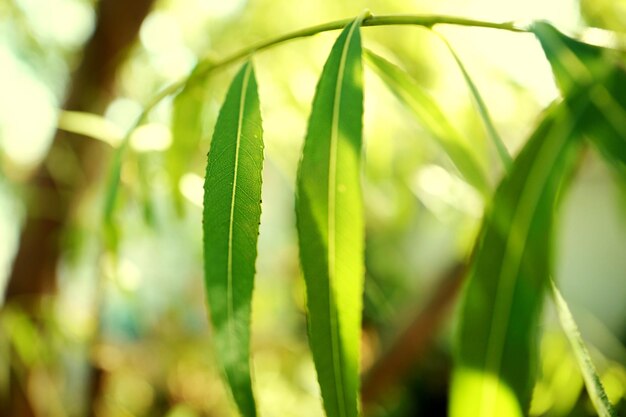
column 498, row 368
column 512, row 259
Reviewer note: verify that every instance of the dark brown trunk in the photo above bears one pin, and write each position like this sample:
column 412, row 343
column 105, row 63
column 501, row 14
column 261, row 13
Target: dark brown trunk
column 414, row 341
column 71, row 166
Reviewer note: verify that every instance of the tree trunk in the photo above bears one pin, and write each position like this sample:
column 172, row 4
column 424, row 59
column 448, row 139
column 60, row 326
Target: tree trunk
column 408, row 348
column 71, row 166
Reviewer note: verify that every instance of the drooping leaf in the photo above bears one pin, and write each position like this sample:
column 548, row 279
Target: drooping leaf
column 331, row 226
column 112, row 233
column 111, row 195
column 433, row 119
column 590, row 375
column 187, row 130
column 145, row 193
column 494, row 373
column 232, row 210
column 482, row 110
column 577, row 66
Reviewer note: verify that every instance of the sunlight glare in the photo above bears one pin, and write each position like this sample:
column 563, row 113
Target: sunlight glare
column 27, row 111
column 151, row 137
column 68, row 22
column 191, row 186
column 441, row 191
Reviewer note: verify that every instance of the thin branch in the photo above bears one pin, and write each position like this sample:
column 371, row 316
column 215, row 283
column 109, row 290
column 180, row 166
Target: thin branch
column 207, row 65
column 407, row 348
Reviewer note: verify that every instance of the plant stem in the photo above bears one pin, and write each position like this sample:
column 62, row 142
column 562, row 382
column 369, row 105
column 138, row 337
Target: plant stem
column 503, row 153
column 207, row 65
column 430, row 21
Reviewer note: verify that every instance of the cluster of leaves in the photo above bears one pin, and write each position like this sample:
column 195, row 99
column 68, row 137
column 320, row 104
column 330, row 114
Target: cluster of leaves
column 510, row 266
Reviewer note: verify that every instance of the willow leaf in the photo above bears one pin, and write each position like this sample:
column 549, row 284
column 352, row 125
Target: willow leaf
column 111, row 195
column 187, row 130
column 503, row 153
column 494, row 373
column 432, row 118
column 590, row 375
column 330, row 224
column 578, row 66
column 232, row 209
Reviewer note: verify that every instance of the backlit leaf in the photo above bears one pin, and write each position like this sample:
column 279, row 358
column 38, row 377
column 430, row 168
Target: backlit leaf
column 482, row 110
column 590, row 375
column 232, row 210
column 330, row 224
column 187, row 130
column 433, row 119
column 577, row 66
column 494, row 374
column 111, row 195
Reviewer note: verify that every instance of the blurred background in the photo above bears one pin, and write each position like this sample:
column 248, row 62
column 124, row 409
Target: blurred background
column 88, row 328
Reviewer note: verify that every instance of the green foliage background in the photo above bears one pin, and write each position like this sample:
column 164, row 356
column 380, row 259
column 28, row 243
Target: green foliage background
column 140, row 314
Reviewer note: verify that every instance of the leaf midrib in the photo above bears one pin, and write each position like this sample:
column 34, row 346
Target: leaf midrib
column 229, row 273
column 332, row 195
column 510, row 266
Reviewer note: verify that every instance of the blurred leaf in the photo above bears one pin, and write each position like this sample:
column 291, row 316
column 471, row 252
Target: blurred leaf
column 232, row 211
column 606, row 14
column 590, row 375
column 147, row 203
column 498, row 327
column 559, row 383
column 330, row 224
column 482, row 110
column 91, row 125
column 577, row 66
column 580, row 68
column 112, row 189
column 432, row 118
column 187, row 130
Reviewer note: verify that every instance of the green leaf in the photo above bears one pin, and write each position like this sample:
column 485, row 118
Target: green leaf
column 187, row 130
column 499, row 319
column 503, row 153
column 111, row 195
column 331, row 226
column 575, row 64
column 590, row 375
column 232, row 210
column 433, row 119
column 578, row 66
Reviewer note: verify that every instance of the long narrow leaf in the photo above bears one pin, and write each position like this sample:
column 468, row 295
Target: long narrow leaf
column 433, row 119
column 497, row 334
column 503, row 153
column 187, row 131
column 330, row 224
column 111, row 195
column 590, row 375
column 577, row 66
column 232, row 210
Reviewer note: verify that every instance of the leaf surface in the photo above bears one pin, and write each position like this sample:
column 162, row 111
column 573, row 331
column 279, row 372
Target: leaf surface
column 499, row 318
column 331, row 226
column 579, row 66
column 482, row 109
column 590, row 375
column 187, row 130
column 231, row 215
column 433, row 119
